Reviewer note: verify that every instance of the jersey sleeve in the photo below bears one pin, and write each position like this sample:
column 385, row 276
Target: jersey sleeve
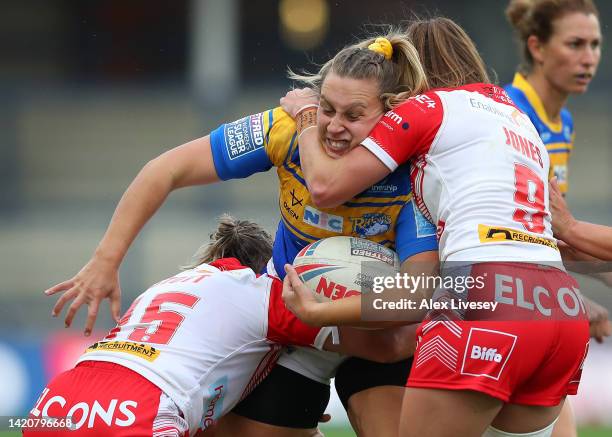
column 406, row 131
column 414, row 233
column 285, row 328
column 253, row 144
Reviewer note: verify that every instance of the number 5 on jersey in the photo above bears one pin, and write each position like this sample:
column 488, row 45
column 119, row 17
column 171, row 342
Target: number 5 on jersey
column 157, row 325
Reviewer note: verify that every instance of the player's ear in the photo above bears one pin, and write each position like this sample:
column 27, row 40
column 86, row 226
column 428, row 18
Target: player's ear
column 536, row 48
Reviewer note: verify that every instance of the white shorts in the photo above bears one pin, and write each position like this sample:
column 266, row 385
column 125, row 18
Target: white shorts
column 314, row 364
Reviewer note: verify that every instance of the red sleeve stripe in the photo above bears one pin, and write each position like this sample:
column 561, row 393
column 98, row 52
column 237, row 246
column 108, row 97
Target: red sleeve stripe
column 283, row 326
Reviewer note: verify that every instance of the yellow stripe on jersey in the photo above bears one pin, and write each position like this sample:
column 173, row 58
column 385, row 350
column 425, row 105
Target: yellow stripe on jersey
column 558, row 147
column 278, row 139
column 521, row 83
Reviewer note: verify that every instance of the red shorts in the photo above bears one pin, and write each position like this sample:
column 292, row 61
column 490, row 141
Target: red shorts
column 106, row 399
column 517, row 356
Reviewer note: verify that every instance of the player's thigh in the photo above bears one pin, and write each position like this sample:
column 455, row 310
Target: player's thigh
column 514, row 418
column 566, row 424
column 285, row 399
column 372, row 394
column 446, row 413
column 232, row 425
column 375, row 412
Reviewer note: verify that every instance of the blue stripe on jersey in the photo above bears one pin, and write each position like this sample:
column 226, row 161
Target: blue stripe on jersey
column 297, row 231
column 552, row 151
column 286, row 166
column 414, row 233
column 270, row 123
column 291, row 144
column 293, row 173
column 286, row 247
column 248, row 158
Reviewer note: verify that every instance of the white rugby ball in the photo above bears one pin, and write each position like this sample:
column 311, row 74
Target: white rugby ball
column 338, row 267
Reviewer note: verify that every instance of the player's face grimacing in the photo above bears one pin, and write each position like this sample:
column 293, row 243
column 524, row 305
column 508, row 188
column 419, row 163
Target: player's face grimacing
column 573, row 52
column 349, row 109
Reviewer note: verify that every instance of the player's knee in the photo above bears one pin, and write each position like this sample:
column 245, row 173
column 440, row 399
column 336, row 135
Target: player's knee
column 545, row 432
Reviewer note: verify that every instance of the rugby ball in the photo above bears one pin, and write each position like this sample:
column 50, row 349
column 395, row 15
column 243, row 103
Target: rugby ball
column 338, row 267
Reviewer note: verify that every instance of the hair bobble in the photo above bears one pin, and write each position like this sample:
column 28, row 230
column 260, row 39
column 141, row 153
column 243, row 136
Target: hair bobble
column 382, row 46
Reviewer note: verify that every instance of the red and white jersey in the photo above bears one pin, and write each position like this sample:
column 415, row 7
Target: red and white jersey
column 479, row 172
column 206, row 337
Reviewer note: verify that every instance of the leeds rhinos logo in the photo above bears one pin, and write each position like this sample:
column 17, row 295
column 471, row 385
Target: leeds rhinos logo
column 371, row 224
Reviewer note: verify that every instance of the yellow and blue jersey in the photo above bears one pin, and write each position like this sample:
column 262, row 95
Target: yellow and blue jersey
column 385, row 213
column 558, row 136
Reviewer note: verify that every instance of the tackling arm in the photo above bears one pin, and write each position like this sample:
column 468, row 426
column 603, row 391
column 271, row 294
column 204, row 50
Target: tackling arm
column 186, row 165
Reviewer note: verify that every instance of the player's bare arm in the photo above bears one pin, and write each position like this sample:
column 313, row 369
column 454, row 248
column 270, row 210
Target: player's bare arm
column 595, row 240
column 185, row 165
column 347, row 311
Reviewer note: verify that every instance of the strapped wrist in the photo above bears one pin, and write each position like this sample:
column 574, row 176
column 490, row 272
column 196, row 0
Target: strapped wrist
column 307, row 107
column 305, row 119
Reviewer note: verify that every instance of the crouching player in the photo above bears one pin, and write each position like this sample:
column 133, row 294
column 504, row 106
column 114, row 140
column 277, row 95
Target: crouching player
column 190, row 347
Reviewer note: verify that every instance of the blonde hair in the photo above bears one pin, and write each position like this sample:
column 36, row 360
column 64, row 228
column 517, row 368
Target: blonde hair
column 400, row 77
column 241, row 239
column 449, row 56
column 536, row 17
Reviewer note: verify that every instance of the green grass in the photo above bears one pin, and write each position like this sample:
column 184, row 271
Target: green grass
column 347, row 432
column 582, row 432
column 334, row 431
column 595, row 432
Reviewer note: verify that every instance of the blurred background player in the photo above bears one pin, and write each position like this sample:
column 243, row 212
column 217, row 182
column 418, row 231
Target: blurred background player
column 191, row 346
column 560, row 44
column 561, row 47
column 357, row 86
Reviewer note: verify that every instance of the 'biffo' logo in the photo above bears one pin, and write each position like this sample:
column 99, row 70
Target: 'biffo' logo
column 487, row 352
column 482, row 353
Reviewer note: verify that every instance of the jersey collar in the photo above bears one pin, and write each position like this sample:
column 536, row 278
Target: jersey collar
column 225, row 264
column 520, row 82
